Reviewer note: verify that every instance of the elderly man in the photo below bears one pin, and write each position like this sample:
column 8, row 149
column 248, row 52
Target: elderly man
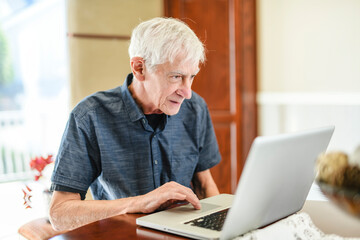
column 144, row 145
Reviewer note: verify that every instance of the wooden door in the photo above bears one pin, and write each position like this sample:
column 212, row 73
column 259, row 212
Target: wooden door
column 227, row 82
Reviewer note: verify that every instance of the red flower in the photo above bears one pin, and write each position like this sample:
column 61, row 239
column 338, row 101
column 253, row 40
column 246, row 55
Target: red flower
column 39, row 163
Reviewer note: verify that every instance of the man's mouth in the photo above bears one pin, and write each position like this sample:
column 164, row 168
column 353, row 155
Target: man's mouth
column 175, row 102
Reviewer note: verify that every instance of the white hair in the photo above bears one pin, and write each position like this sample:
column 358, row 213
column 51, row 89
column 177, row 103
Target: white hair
column 161, row 40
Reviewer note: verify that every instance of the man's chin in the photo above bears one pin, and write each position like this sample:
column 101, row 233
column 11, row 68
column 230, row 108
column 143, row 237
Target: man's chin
column 171, row 112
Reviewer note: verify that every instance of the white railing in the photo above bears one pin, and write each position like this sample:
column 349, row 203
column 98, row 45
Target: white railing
column 14, row 156
column 288, row 112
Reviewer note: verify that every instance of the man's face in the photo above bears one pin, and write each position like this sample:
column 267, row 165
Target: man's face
column 169, row 85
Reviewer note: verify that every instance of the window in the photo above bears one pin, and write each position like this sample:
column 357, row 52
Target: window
column 34, row 94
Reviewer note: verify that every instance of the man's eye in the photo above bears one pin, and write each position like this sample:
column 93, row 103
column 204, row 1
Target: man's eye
column 176, row 77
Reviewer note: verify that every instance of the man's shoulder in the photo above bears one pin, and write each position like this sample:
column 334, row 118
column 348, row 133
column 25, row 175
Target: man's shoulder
column 109, row 100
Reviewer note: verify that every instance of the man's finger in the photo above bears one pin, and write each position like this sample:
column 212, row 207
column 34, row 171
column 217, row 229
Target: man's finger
column 190, row 197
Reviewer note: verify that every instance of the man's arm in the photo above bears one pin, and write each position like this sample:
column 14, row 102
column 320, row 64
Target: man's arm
column 68, row 211
column 204, row 184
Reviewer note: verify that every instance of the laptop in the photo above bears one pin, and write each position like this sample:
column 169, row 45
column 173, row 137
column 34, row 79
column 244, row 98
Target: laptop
column 274, row 184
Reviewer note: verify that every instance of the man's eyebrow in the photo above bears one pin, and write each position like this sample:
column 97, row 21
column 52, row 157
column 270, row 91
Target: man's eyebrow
column 176, row 72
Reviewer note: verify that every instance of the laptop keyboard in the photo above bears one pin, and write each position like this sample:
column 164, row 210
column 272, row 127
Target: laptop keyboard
column 214, row 221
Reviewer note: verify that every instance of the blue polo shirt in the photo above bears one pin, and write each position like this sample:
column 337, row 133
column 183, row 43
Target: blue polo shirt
column 109, row 146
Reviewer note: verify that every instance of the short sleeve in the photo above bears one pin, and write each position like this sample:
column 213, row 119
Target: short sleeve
column 77, row 163
column 209, row 154
column 60, row 188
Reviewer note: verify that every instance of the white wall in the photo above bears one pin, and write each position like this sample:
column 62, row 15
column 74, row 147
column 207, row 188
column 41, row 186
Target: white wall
column 309, row 45
column 309, row 67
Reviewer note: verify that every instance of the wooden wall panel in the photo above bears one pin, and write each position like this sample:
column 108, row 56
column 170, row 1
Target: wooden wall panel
column 222, row 171
column 227, row 82
column 216, row 39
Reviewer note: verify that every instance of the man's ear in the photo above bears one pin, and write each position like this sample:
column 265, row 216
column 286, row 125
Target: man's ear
column 138, row 67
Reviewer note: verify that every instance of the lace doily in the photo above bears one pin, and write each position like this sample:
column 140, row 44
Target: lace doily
column 295, row 227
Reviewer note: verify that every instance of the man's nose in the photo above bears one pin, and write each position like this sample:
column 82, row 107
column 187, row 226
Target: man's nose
column 185, row 89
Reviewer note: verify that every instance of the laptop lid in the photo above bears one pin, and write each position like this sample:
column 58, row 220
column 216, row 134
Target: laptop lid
column 275, row 181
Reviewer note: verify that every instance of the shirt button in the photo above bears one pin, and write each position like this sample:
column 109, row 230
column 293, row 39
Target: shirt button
column 156, row 162
column 143, row 120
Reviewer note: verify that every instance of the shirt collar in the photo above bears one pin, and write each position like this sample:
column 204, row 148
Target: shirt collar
column 134, row 111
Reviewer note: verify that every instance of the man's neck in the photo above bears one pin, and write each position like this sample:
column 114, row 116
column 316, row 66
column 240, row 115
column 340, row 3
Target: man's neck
column 136, row 90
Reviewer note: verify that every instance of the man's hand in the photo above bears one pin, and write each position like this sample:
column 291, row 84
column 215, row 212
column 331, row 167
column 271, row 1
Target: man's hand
column 68, row 211
column 164, row 197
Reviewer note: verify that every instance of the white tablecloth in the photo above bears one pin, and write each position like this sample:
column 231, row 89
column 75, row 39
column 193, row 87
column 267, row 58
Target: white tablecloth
column 295, row 227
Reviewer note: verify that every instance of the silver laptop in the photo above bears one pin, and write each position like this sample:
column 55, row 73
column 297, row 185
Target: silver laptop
column 275, row 182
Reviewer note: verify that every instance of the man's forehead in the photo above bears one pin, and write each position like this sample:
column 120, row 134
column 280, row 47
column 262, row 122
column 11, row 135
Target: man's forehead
column 182, row 68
